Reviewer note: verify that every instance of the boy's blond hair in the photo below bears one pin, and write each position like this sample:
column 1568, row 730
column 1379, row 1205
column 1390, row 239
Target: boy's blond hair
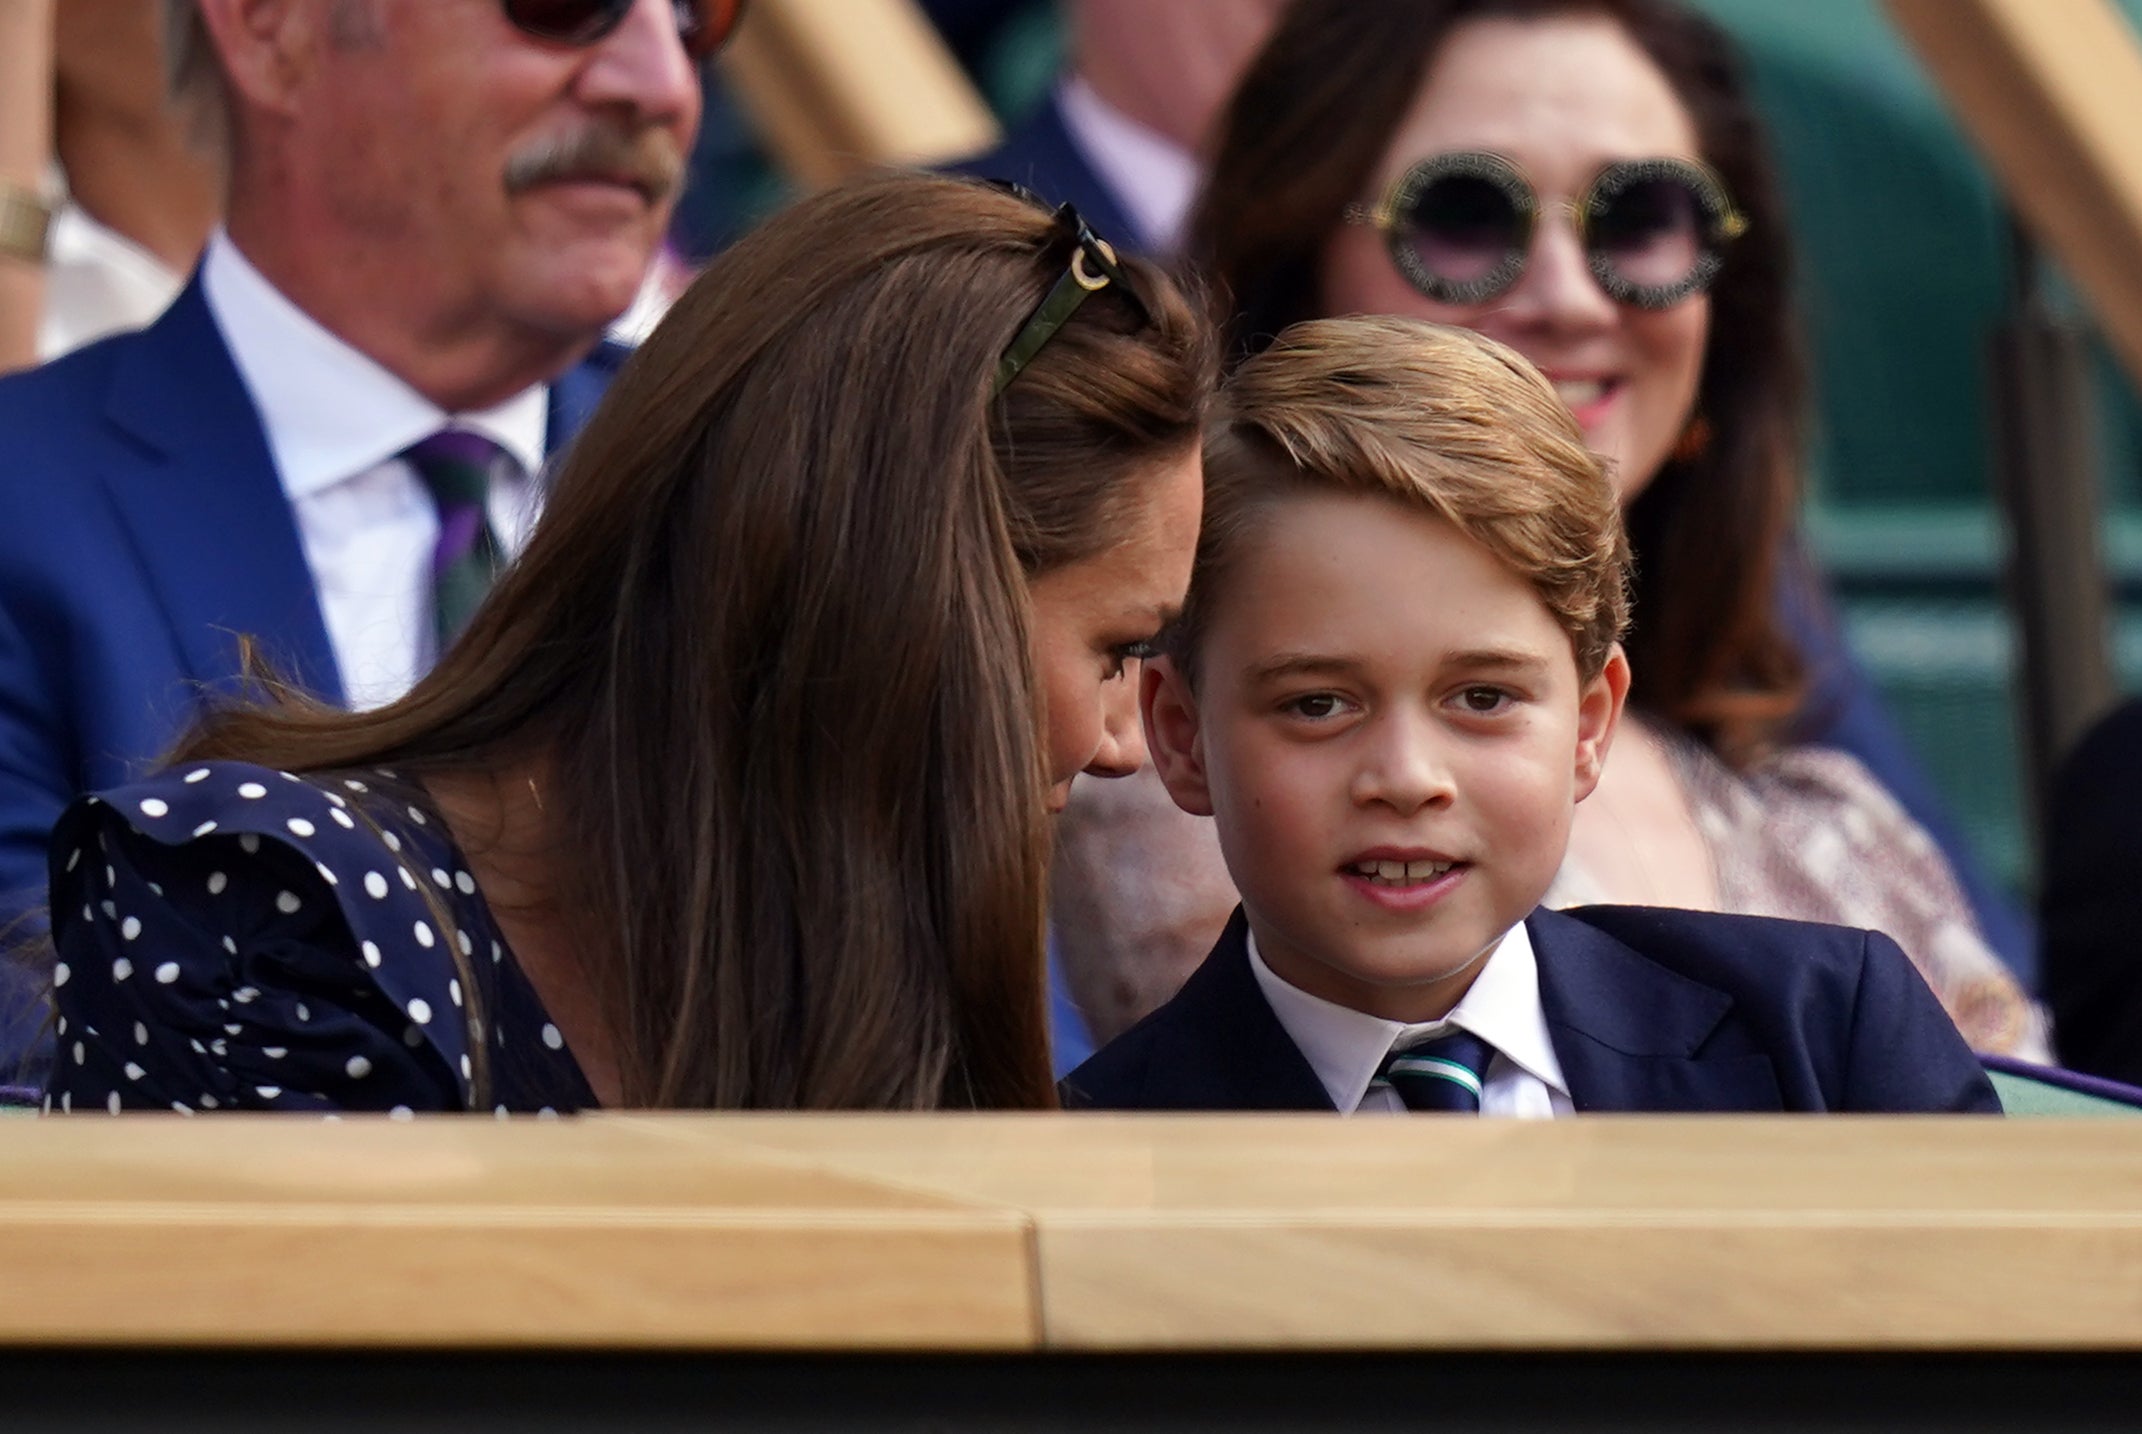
column 1438, row 419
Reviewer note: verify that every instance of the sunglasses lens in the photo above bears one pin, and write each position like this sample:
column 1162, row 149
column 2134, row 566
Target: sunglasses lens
column 1654, row 229
column 703, row 25
column 571, row 22
column 1463, row 228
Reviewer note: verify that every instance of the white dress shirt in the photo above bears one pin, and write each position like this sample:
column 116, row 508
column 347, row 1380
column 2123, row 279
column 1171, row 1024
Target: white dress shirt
column 1154, row 179
column 1502, row 1007
column 335, row 421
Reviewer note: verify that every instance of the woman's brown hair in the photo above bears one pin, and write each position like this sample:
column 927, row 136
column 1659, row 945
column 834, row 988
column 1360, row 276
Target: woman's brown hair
column 771, row 641
column 1301, row 140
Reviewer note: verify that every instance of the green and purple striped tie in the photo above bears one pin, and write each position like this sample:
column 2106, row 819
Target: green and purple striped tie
column 456, row 467
column 1443, row 1074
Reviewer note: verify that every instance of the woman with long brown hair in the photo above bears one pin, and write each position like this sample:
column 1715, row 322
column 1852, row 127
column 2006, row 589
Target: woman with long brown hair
column 1585, row 181
column 737, row 791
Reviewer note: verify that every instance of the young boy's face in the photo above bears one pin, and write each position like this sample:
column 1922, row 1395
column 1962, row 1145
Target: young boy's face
column 1392, row 736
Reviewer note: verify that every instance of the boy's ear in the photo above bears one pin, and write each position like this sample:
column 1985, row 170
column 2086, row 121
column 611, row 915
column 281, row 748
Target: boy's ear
column 1172, row 735
column 1598, row 714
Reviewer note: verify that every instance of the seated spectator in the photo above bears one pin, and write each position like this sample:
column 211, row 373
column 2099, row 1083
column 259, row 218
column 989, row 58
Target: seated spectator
column 338, row 430
column 1397, row 677
column 1123, row 133
column 2092, row 903
column 1583, row 180
column 736, row 792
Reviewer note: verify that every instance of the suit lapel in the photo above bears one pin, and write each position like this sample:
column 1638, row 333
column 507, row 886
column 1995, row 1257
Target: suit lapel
column 1242, row 1058
column 1630, row 1033
column 197, row 488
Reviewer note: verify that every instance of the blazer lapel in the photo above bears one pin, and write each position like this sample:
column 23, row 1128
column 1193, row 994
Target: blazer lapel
column 1630, row 1033
column 197, row 488
column 1231, row 1052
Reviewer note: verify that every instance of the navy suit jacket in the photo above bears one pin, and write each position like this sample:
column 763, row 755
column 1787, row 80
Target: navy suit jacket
column 143, row 528
column 1040, row 153
column 1649, row 1009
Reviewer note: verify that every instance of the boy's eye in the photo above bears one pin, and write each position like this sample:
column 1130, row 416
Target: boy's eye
column 1314, row 705
column 1483, row 699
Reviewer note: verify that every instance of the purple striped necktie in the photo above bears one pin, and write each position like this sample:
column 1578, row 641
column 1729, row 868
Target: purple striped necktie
column 456, row 468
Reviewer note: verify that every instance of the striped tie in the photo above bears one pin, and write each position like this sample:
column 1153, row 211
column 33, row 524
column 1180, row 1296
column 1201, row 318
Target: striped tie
column 456, row 467
column 1443, row 1074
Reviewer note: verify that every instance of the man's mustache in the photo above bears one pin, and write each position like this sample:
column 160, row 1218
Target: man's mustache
column 648, row 159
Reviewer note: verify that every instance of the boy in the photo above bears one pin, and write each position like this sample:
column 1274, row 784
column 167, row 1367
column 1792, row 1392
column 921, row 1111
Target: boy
column 1397, row 674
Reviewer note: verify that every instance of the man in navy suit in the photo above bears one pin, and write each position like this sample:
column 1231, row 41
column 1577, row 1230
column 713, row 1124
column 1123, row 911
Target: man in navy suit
column 1397, row 674
column 434, row 210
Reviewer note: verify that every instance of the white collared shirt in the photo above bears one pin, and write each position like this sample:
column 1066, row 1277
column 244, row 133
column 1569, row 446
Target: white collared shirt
column 1154, row 179
column 335, row 421
column 1502, row 1007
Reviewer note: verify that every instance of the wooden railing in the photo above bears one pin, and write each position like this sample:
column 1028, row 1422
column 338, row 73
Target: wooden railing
column 1069, row 1233
column 2050, row 91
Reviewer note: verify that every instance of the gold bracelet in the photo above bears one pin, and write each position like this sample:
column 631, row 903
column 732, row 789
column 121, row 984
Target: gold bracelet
column 25, row 218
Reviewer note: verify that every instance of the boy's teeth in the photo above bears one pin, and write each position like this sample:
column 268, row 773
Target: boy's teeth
column 1576, row 392
column 1395, row 873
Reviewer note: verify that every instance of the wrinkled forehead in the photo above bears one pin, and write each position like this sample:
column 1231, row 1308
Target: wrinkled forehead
column 1562, row 96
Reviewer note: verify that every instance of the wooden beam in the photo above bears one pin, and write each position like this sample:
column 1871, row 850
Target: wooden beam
column 835, row 86
column 1157, row 1233
column 2050, row 92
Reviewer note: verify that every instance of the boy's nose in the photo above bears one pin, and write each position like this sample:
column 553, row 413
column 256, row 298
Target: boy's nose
column 1404, row 769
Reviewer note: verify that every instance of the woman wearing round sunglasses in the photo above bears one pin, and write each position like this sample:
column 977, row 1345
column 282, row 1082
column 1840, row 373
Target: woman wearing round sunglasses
column 1583, row 180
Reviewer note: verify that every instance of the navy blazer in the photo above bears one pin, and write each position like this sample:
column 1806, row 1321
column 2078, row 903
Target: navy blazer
column 143, row 528
column 1040, row 153
column 1649, row 1009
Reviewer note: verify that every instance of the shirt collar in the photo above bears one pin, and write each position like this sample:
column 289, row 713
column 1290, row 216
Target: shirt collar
column 330, row 412
column 1344, row 1046
column 1153, row 178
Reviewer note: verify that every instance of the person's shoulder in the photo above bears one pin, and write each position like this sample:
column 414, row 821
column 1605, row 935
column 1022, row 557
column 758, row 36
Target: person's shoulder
column 362, row 835
column 1845, row 1020
column 48, row 409
column 1725, row 947
column 248, row 923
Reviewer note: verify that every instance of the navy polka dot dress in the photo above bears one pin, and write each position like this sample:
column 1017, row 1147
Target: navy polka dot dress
column 231, row 937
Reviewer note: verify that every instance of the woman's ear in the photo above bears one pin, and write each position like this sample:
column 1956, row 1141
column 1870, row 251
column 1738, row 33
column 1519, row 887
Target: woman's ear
column 1598, row 714
column 1172, row 736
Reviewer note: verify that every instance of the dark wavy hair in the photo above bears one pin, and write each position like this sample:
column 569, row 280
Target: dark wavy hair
column 1301, row 140
column 773, row 636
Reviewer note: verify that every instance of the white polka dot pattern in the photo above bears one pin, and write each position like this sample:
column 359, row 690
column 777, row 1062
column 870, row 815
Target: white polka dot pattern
column 297, row 956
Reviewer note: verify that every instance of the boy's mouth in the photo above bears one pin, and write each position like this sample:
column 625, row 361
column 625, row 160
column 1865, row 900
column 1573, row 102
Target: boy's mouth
column 1399, row 873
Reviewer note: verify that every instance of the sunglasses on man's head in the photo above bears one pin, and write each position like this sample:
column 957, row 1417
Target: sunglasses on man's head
column 703, row 25
column 1460, row 226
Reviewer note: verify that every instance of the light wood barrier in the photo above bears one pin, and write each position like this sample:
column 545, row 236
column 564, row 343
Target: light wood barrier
column 2050, row 91
column 834, row 86
column 1069, row 1233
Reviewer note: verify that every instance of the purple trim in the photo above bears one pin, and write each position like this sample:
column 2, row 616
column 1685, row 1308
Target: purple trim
column 23, row 1095
column 2082, row 1084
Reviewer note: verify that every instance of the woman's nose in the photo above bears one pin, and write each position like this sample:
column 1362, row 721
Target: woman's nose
column 1557, row 287
column 1122, row 749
